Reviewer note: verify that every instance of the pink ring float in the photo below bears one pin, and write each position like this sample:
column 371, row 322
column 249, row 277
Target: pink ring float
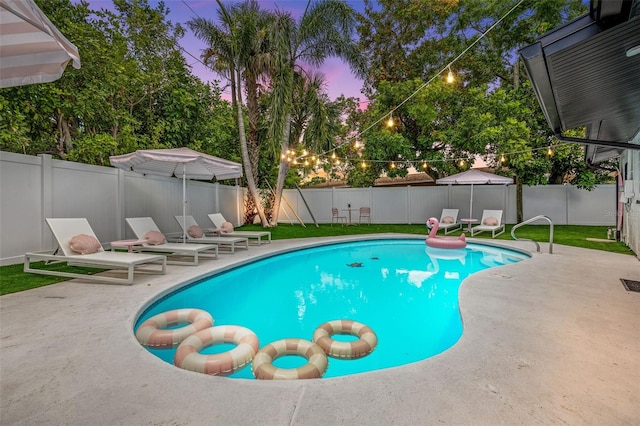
column 316, row 366
column 151, row 332
column 366, row 343
column 443, row 242
column 188, row 355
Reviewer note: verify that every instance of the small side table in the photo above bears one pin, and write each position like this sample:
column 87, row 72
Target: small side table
column 127, row 243
column 349, row 210
column 468, row 221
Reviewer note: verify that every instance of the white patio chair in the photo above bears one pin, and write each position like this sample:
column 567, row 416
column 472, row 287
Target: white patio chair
column 449, row 221
column 176, row 251
column 191, row 230
column 491, row 221
column 218, row 219
column 65, row 229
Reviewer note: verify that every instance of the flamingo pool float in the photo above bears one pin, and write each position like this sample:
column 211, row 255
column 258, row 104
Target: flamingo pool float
column 443, row 242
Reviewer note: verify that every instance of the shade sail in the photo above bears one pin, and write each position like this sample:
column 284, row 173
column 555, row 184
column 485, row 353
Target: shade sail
column 175, row 162
column 474, row 177
column 32, row 50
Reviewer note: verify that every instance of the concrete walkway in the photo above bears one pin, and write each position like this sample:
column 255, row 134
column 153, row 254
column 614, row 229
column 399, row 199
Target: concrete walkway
column 551, row 340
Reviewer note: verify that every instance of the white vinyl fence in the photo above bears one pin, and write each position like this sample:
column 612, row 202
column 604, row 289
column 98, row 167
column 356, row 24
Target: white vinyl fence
column 34, row 188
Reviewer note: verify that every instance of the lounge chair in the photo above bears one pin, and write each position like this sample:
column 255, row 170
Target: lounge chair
column 365, row 212
column 217, row 219
column 491, row 221
column 335, row 216
column 449, row 221
column 142, row 226
column 65, row 229
column 195, row 234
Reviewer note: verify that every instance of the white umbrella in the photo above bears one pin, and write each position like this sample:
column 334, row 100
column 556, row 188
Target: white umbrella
column 180, row 162
column 474, row 177
column 32, row 50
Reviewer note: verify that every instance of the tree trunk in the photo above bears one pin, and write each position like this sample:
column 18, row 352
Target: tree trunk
column 519, row 211
column 253, row 111
column 64, row 141
column 251, row 183
column 282, row 170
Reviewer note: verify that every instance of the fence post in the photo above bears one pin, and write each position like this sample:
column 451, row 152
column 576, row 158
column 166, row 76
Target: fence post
column 46, row 197
column 408, row 204
column 120, row 215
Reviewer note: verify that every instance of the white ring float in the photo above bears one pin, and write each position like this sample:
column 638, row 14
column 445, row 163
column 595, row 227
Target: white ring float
column 366, row 343
column 315, row 368
column 151, row 332
column 188, row 354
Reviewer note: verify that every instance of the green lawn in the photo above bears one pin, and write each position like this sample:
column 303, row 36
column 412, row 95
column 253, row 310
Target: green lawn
column 13, row 279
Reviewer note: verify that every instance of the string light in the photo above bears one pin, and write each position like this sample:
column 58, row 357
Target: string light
column 461, row 163
column 363, row 165
column 502, row 158
column 549, row 151
column 393, row 165
column 427, row 83
column 450, row 77
column 390, row 120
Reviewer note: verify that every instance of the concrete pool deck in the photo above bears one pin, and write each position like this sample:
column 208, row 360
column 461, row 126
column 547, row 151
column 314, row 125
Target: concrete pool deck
column 551, row 340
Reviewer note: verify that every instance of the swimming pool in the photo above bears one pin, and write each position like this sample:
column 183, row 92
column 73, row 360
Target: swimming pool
column 406, row 292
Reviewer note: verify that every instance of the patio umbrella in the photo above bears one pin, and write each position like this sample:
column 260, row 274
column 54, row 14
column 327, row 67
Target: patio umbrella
column 179, row 162
column 32, row 50
column 474, row 177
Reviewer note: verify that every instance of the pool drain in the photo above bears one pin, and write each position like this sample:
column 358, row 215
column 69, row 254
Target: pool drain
column 631, row 285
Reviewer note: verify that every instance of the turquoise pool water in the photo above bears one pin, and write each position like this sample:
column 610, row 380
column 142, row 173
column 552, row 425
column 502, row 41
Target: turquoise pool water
column 406, row 292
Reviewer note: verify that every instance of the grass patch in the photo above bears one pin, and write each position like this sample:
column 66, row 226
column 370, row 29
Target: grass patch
column 13, row 279
column 570, row 235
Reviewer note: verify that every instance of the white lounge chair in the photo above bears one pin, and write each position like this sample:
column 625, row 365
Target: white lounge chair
column 142, row 225
column 190, row 233
column 65, row 229
column 449, row 221
column 491, row 221
column 217, row 219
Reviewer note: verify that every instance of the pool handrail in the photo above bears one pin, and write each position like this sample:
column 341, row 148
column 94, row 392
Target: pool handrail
column 533, row 219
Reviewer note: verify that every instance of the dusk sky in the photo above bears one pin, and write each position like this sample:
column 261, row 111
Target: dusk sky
column 340, row 80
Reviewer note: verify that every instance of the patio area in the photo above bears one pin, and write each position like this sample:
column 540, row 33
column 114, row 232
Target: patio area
column 551, row 340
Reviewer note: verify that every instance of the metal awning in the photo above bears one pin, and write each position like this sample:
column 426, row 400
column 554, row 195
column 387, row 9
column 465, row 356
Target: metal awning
column 585, row 73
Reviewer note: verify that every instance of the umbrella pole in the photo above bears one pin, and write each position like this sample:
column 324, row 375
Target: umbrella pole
column 184, row 203
column 471, row 203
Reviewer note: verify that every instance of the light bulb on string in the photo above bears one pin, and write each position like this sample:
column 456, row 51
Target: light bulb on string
column 503, row 158
column 461, row 163
column 306, row 162
column 424, row 165
column 390, row 120
column 450, row 76
column 305, row 152
column 393, row 165
column 549, row 151
column 363, row 165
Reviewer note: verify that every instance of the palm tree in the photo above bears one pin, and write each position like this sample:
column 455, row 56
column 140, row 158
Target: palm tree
column 238, row 51
column 324, row 30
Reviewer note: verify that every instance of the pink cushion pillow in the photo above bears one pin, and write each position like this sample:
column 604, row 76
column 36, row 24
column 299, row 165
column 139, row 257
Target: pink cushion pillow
column 84, row 244
column 447, row 219
column 195, row 231
column 155, row 238
column 227, row 227
column 490, row 221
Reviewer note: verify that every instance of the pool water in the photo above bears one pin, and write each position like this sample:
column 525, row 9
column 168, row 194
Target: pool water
column 406, row 292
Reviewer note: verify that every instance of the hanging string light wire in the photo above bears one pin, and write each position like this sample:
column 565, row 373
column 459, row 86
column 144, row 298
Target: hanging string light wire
column 438, row 74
